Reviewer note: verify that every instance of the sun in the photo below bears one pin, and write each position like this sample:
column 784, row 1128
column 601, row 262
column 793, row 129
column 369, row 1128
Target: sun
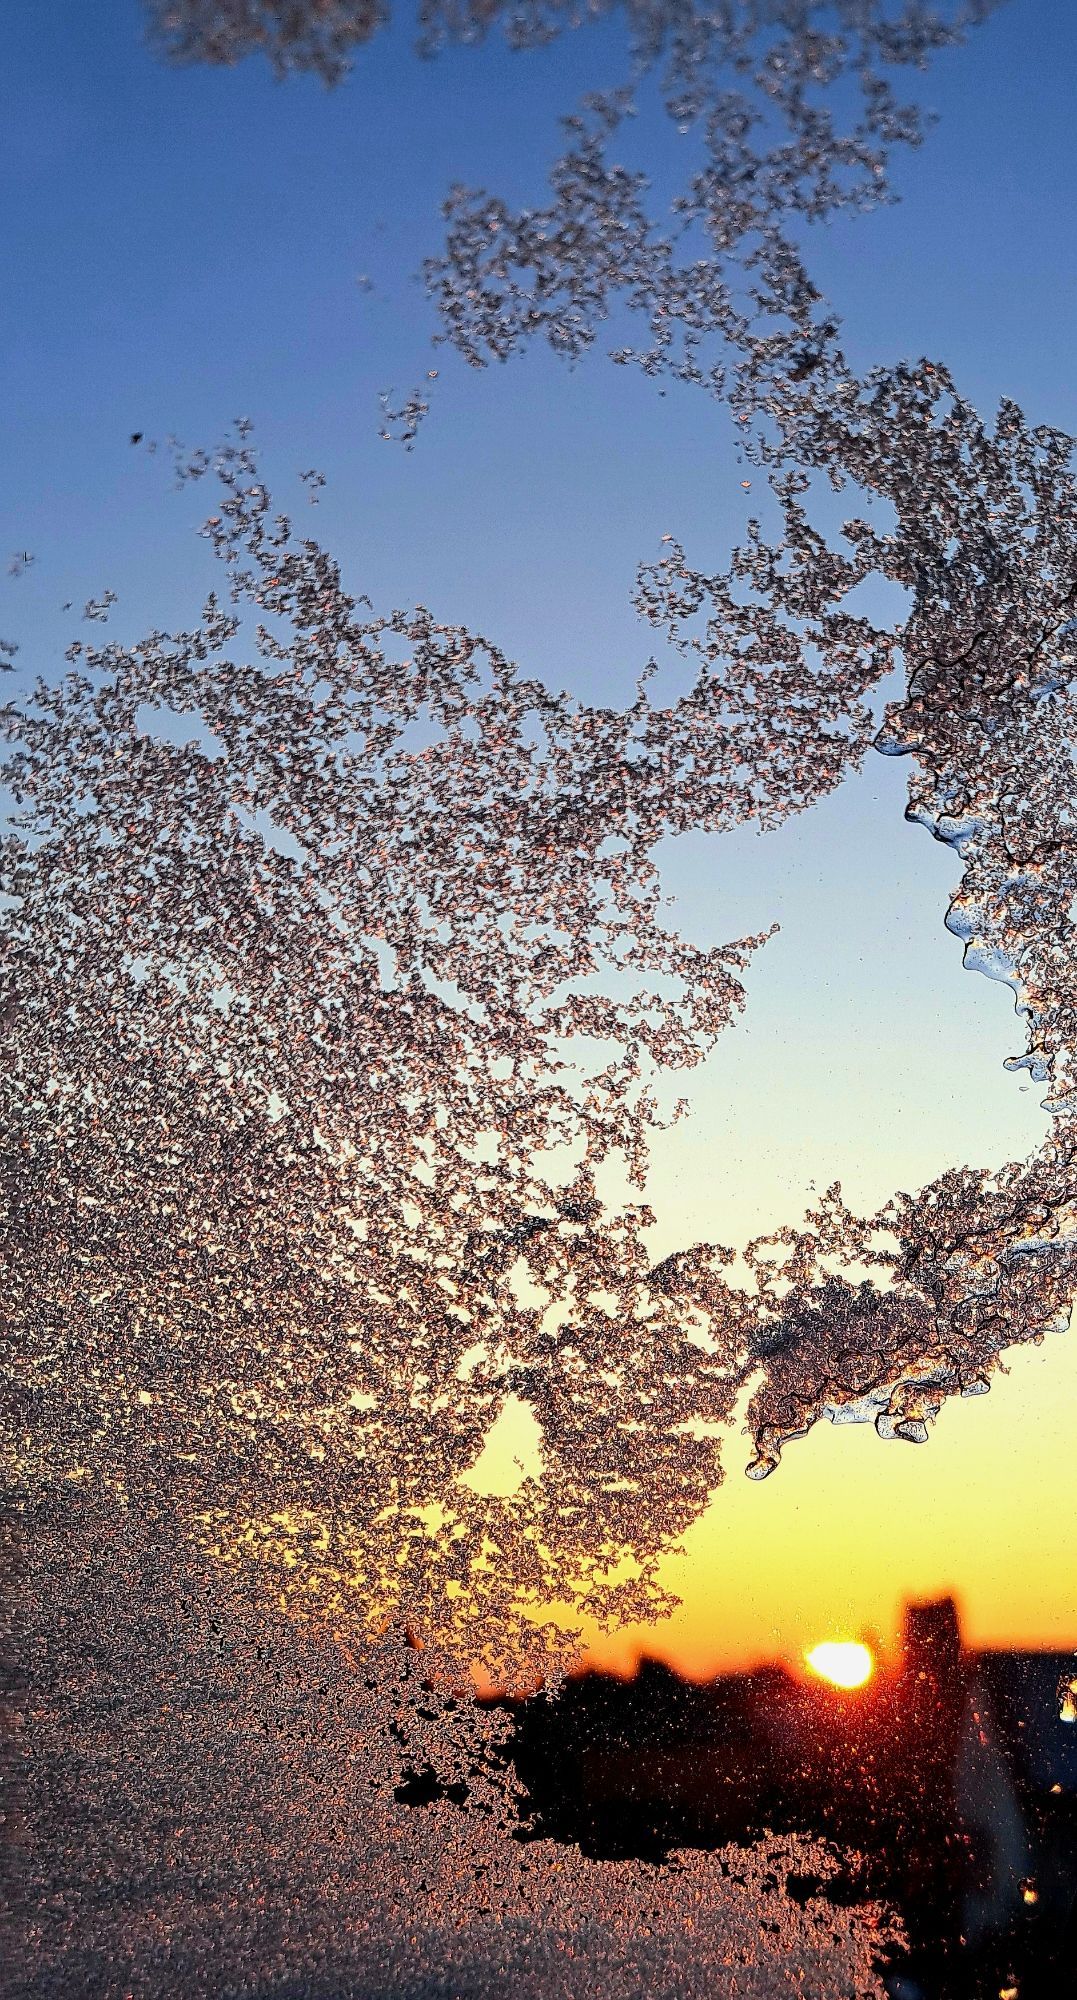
column 845, row 1663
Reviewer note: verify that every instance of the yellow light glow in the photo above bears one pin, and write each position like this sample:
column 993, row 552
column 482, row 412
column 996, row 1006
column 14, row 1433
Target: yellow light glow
column 843, row 1662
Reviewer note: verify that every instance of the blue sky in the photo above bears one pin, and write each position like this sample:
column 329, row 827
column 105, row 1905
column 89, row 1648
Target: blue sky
column 185, row 245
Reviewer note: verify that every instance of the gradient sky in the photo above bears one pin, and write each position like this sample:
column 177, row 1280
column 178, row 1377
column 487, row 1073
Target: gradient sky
column 185, row 246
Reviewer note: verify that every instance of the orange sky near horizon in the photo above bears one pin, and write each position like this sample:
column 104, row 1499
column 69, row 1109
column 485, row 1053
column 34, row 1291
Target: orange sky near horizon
column 849, row 1528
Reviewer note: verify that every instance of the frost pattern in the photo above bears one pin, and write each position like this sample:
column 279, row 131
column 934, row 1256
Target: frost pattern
column 305, row 1160
column 337, row 1002
column 335, row 982
column 212, row 1805
column 306, row 1177
column 753, row 90
column 295, row 35
column 788, row 114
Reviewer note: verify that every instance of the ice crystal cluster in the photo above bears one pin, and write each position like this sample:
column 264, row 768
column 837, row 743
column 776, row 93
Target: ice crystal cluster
column 218, row 1803
column 338, row 991
column 336, row 976
column 305, row 1176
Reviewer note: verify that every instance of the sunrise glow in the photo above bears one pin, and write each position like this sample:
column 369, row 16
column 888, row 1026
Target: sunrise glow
column 843, row 1662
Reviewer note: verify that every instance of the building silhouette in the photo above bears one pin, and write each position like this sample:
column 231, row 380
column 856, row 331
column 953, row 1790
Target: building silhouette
column 947, row 1784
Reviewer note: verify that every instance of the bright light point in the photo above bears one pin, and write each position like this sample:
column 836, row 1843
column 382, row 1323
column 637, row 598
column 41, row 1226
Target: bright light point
column 843, row 1662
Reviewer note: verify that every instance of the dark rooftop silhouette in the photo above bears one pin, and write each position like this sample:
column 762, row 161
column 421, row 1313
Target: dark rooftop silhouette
column 948, row 1784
